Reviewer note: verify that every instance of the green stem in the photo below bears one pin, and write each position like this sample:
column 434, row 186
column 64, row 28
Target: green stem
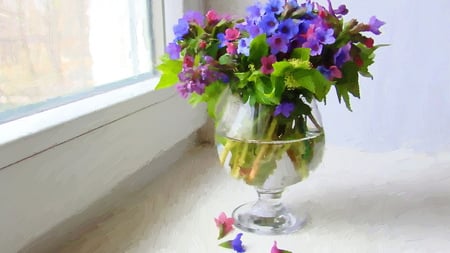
column 226, row 148
column 262, row 151
column 314, row 121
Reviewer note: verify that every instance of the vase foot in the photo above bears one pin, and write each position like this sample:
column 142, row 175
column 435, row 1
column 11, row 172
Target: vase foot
column 250, row 217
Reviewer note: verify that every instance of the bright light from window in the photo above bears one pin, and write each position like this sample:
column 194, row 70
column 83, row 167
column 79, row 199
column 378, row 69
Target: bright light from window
column 53, row 49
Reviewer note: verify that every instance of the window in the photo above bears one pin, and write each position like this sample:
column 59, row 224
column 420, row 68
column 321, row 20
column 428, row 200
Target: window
column 55, row 52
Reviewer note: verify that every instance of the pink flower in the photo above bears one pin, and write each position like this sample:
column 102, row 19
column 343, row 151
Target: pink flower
column 231, row 48
column 232, row 34
column 212, row 17
column 267, row 62
column 225, row 224
column 275, row 249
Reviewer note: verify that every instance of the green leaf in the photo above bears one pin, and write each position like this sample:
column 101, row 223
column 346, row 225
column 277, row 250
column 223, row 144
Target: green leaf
column 258, row 49
column 265, row 91
column 350, row 79
column 169, row 69
column 301, row 53
column 279, row 68
column 226, row 244
column 322, row 85
column 303, row 78
column 342, row 92
column 225, row 59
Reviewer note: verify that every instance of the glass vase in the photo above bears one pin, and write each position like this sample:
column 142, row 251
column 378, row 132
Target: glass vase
column 270, row 151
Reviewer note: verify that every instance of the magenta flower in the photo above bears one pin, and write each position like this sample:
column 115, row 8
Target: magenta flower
column 231, row 48
column 275, row 249
column 375, row 24
column 267, row 62
column 224, row 223
column 232, row 34
column 330, row 73
column 285, row 108
column 369, row 42
column 188, row 62
column 212, row 17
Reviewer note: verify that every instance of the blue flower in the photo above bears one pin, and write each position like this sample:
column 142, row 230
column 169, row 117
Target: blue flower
column 173, row 49
column 274, row 6
column 195, row 17
column 284, row 108
column 254, row 12
column 236, row 243
column 293, row 3
column 181, row 29
column 288, row 28
column 268, row 24
column 244, row 46
column 223, row 41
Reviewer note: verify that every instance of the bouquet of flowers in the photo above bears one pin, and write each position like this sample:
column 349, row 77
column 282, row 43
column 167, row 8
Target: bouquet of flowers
column 282, row 55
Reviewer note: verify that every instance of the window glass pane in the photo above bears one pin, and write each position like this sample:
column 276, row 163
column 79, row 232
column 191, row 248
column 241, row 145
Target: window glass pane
column 56, row 48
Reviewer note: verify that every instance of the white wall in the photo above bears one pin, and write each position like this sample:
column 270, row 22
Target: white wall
column 408, row 103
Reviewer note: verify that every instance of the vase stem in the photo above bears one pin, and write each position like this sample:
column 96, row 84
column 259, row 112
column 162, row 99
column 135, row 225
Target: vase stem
column 267, row 215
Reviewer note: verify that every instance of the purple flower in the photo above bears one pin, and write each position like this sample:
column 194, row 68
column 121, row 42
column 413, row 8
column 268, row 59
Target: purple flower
column 284, row 108
column 274, row 6
column 236, row 243
column 268, row 24
column 244, row 46
column 195, row 17
column 278, row 43
column 342, row 55
column 330, row 73
column 288, row 28
column 341, row 10
column 314, row 45
column 267, row 62
column 173, row 49
column 325, row 36
column 181, row 88
column 375, row 25
column 181, row 28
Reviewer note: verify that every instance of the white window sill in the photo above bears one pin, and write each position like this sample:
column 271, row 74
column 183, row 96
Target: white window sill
column 53, row 170
column 357, row 202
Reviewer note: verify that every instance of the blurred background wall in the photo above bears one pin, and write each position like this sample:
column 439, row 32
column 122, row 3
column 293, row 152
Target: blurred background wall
column 407, row 104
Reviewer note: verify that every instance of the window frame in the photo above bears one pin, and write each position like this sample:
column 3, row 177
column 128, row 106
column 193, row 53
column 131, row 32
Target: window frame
column 31, row 135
